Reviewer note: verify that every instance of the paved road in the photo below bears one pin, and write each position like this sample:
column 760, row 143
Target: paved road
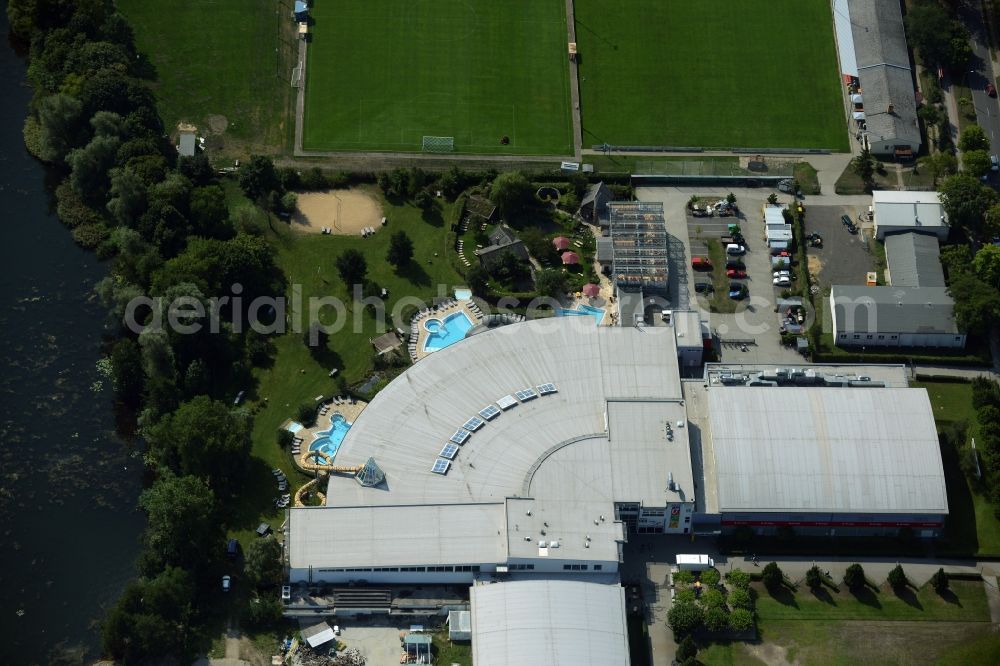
column 981, row 72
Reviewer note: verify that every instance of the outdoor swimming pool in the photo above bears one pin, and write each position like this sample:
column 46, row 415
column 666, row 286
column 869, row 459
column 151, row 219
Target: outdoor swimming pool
column 329, row 441
column 582, row 311
column 445, row 333
column 294, row 427
column 463, row 294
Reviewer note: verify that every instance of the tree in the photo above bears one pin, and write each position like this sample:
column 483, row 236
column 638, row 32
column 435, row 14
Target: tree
column 263, row 612
column 126, row 367
column 205, row 438
column 966, row 201
column 258, row 178
column 684, row 618
column 897, row 578
column 731, row 199
column 452, row 182
column 424, row 201
column 864, row 166
column 939, row 581
column 772, row 199
column 209, row 213
column 941, row 164
column 741, row 619
column 987, row 263
column 939, row 38
column 352, row 267
column 400, row 249
column 90, row 166
column 182, row 529
column 289, row 202
column 977, row 305
column 772, row 576
column 128, row 196
column 307, row 415
column 973, row 137
column 976, row 162
column 687, row 648
column 716, row 618
column 683, row 577
column 854, row 577
column 511, row 192
column 713, row 597
column 985, row 392
column 738, row 578
column 262, row 562
column 478, row 279
column 551, row 283
column 63, row 126
column 814, row 578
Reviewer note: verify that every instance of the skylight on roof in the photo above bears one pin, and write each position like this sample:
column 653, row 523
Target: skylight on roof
column 460, row 436
column 546, row 389
column 507, row 402
column 473, row 424
column 449, row 451
column 490, row 413
column 441, row 466
column 526, row 395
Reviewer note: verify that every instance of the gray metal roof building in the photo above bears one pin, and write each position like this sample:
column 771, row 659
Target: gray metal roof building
column 535, row 472
column 906, row 211
column 914, row 260
column 860, row 452
column 550, row 623
column 894, row 316
column 883, row 64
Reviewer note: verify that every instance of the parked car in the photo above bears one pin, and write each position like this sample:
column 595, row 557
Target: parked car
column 991, row 90
column 994, row 163
column 736, row 264
column 734, row 249
column 846, row 220
column 226, row 583
column 232, row 549
column 733, row 273
column 783, row 281
column 787, row 274
column 286, row 592
column 737, row 291
column 701, row 264
column 704, row 287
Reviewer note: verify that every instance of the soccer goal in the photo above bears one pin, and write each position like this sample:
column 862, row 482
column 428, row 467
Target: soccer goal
column 438, row 144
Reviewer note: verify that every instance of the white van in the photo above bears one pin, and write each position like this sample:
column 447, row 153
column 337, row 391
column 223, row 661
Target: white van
column 733, row 249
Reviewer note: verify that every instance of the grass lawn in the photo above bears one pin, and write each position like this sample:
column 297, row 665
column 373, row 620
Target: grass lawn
column 297, row 375
column 972, row 520
column 448, row 652
column 221, row 58
column 713, row 73
column 720, row 301
column 629, row 164
column 382, row 74
column 965, row 602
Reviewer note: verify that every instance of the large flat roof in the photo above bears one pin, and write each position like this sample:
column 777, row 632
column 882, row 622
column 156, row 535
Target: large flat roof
column 893, row 310
column 553, row 622
column 908, row 209
column 834, row 450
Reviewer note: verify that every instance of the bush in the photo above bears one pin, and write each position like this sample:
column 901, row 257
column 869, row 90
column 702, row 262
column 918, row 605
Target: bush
column 985, row 392
column 897, row 578
column 741, row 620
column 683, row 577
column 713, row 599
column 685, row 595
column 684, row 618
column 307, row 415
column 716, row 618
column 710, row 577
column 854, row 577
column 739, row 579
column 285, row 438
column 89, row 236
column 687, row 649
column 741, row 598
column 263, row 613
column 772, row 576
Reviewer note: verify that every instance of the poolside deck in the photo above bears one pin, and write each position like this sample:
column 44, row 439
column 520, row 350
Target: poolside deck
column 307, row 436
column 419, row 333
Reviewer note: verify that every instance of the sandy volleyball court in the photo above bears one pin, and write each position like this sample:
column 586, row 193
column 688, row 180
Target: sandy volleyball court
column 344, row 212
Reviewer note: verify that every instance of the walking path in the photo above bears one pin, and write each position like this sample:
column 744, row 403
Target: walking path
column 574, row 85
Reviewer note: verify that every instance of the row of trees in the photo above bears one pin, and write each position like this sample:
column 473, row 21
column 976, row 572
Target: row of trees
column 165, row 226
column 986, row 400
column 854, row 578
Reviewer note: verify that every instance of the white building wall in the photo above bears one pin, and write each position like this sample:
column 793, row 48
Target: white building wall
column 896, row 339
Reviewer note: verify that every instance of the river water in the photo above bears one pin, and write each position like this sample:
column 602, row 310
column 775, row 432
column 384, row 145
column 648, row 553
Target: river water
column 68, row 485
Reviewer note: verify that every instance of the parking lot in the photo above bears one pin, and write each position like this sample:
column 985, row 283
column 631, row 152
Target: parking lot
column 755, row 320
column 844, row 258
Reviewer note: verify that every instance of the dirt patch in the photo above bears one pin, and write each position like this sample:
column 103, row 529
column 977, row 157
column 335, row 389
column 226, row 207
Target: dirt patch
column 344, row 212
column 814, row 264
column 769, row 653
column 217, row 124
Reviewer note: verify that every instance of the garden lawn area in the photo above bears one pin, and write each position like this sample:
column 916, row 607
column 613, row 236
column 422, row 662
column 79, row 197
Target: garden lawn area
column 220, row 58
column 382, row 74
column 713, row 73
column 297, row 374
column 448, row 652
column 965, row 602
column 972, row 519
column 720, row 301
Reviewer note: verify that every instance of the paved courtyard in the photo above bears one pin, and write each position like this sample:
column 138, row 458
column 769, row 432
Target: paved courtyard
column 844, row 259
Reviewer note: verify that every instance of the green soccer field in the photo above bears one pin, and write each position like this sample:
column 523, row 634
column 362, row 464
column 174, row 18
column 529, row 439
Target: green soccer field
column 711, row 73
column 382, row 74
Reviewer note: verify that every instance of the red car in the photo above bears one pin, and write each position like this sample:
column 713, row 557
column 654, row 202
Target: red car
column 991, row 90
column 701, row 264
column 733, row 273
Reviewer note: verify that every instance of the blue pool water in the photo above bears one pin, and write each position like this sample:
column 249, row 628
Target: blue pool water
column 582, row 311
column 447, row 332
column 463, row 294
column 329, row 441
